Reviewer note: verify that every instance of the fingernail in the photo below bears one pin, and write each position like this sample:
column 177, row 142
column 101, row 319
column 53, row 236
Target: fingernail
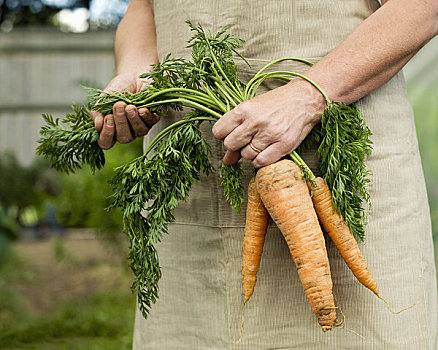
column 110, row 121
column 120, row 109
column 130, row 113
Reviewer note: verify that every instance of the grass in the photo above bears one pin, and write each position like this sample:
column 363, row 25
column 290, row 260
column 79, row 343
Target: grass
column 82, row 301
column 97, row 322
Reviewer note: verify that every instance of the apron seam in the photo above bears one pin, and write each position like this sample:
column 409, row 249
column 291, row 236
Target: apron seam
column 420, row 253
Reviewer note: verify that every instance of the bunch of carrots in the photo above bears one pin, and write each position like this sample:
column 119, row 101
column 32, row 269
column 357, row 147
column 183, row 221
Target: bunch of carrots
column 150, row 186
column 281, row 192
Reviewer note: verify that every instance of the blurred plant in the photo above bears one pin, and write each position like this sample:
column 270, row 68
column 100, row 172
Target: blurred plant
column 8, row 225
column 62, row 14
column 23, row 189
column 83, row 198
column 25, row 13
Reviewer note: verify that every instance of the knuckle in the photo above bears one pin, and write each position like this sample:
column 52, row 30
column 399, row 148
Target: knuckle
column 245, row 155
column 241, row 111
column 141, row 132
column 229, row 146
column 121, row 121
column 125, row 139
column 261, row 161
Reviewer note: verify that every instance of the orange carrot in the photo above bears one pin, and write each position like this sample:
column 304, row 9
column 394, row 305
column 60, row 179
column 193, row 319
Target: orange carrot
column 284, row 193
column 339, row 232
column 335, row 226
column 257, row 219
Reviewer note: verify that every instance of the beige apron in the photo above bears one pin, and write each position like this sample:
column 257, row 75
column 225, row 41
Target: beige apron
column 201, row 290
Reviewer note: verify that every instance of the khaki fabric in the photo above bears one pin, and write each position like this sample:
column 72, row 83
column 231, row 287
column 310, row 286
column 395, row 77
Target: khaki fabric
column 201, row 291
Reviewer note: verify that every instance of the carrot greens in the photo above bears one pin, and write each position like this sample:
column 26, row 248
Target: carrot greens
column 148, row 188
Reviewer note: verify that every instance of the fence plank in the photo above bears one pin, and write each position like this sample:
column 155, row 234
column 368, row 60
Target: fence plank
column 41, row 72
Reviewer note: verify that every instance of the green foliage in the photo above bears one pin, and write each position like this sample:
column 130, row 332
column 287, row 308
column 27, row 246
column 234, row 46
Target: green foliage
column 105, row 315
column 180, row 151
column 21, row 186
column 23, row 191
column 8, row 225
column 73, row 143
column 161, row 182
column 148, row 189
column 232, row 184
column 345, row 142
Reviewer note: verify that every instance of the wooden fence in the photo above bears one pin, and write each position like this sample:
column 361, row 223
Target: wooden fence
column 41, row 71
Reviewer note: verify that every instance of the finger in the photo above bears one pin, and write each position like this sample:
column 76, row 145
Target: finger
column 227, row 123
column 248, row 153
column 123, row 130
column 138, row 126
column 239, row 137
column 149, row 118
column 97, row 117
column 231, row 158
column 106, row 138
column 270, row 155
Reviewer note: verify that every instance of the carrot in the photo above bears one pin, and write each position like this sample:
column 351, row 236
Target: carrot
column 335, row 226
column 284, row 193
column 257, row 219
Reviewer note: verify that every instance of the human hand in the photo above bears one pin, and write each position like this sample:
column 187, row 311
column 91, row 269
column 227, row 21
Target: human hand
column 271, row 125
column 126, row 122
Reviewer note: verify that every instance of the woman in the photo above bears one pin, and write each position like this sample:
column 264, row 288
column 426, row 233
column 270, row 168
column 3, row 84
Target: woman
column 359, row 47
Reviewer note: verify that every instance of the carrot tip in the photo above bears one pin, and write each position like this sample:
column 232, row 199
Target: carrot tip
column 241, row 327
column 351, row 331
column 326, row 328
column 389, row 308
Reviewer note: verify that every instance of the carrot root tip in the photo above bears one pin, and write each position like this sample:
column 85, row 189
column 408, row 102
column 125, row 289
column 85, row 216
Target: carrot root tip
column 351, row 331
column 326, row 328
column 241, row 326
column 392, row 311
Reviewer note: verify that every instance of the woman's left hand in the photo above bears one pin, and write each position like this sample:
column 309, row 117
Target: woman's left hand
column 271, row 125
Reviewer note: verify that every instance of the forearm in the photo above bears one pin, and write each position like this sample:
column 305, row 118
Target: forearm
column 135, row 41
column 376, row 50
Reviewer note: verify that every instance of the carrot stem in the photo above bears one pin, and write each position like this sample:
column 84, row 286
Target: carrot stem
column 271, row 64
column 167, row 130
column 302, row 164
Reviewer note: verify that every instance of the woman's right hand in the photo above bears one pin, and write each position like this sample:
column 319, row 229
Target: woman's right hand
column 126, row 122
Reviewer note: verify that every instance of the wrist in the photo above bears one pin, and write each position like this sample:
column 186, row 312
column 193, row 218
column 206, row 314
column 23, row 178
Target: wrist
column 133, row 70
column 315, row 102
